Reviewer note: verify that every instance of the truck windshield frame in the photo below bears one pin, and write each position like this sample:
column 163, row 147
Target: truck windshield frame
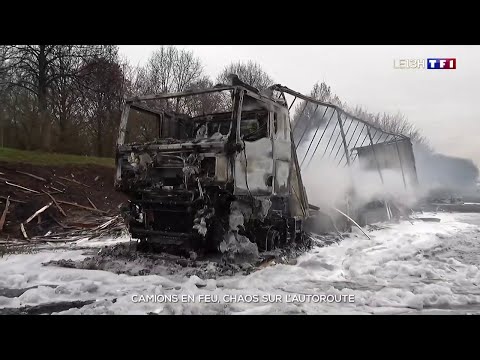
column 139, row 103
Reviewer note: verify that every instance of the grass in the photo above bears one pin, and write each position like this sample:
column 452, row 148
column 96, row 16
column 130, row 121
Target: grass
column 43, row 158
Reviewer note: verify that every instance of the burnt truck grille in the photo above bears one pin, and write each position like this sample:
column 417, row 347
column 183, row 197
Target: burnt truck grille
column 162, row 216
column 155, row 171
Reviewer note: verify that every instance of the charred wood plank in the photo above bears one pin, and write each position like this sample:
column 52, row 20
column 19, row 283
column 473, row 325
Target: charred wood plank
column 73, row 181
column 57, row 190
column 52, row 193
column 56, row 203
column 91, row 203
column 4, row 215
column 32, row 176
column 13, row 200
column 82, row 207
column 21, row 187
column 38, row 212
column 58, row 182
column 23, row 231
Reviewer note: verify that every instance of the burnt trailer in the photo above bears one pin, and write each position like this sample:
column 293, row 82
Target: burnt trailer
column 206, row 168
column 395, row 154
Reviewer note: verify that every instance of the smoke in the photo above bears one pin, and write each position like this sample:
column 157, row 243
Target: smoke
column 441, row 172
column 369, row 186
column 328, row 186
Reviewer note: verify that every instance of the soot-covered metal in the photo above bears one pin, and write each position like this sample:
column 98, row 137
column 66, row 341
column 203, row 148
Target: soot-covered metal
column 223, row 179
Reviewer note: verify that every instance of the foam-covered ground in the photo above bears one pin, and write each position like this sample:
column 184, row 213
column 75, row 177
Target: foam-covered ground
column 419, row 268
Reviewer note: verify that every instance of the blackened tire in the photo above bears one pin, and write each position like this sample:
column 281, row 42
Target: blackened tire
column 215, row 235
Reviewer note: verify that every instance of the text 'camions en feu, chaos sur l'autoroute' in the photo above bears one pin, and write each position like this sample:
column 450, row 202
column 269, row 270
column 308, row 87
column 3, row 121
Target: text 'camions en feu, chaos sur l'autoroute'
column 209, row 298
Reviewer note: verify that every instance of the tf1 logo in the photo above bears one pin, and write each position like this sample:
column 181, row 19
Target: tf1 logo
column 429, row 64
column 446, row 64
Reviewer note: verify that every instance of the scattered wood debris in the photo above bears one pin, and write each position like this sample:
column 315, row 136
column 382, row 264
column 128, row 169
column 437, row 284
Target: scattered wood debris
column 33, row 176
column 21, row 187
column 73, row 181
column 50, row 240
column 4, row 215
column 52, row 193
column 111, row 227
column 81, row 216
column 13, row 200
column 59, row 183
column 56, row 203
column 82, row 207
column 91, row 203
column 23, row 231
column 104, row 225
column 38, row 212
column 57, row 190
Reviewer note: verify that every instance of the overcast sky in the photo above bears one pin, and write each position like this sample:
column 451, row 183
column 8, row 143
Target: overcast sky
column 443, row 104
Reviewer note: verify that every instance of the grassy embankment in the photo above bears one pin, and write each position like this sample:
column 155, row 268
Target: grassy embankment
column 43, row 158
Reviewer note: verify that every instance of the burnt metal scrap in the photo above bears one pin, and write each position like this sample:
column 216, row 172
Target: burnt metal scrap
column 338, row 136
column 220, row 168
column 326, row 133
column 223, row 180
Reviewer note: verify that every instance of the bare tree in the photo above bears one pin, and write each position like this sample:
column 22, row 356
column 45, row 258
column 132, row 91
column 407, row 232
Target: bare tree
column 65, row 103
column 394, row 123
column 3, row 90
column 104, row 86
column 17, row 106
column 158, row 73
column 168, row 69
column 36, row 69
column 206, row 103
column 188, row 70
column 308, row 115
column 250, row 73
column 4, row 67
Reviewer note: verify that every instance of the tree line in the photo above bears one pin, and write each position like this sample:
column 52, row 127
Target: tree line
column 68, row 98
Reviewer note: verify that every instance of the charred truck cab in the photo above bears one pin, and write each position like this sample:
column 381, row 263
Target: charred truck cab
column 213, row 169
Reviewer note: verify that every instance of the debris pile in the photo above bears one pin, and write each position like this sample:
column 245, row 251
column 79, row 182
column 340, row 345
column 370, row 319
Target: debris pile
column 57, row 204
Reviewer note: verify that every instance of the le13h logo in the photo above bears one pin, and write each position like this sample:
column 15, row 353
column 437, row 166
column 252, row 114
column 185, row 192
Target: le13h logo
column 429, row 64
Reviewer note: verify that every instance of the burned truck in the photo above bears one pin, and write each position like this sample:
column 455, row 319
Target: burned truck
column 210, row 169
